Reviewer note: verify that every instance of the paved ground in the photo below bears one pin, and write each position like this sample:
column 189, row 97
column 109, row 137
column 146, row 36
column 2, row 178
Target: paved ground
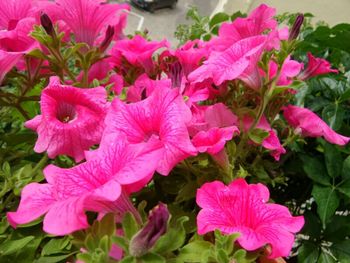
column 162, row 23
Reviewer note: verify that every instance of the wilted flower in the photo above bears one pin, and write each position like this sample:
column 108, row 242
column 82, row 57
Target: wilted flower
column 316, row 66
column 311, row 125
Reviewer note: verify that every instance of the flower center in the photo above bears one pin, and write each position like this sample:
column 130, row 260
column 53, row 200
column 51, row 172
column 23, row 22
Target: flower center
column 66, row 112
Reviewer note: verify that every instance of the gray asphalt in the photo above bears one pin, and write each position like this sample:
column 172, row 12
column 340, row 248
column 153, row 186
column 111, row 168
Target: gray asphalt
column 162, row 23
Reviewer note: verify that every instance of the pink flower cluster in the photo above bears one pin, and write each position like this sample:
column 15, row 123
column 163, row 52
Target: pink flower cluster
column 163, row 111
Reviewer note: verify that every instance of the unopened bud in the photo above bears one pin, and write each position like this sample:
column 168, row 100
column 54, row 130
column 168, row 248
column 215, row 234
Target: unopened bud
column 294, row 33
column 156, row 226
column 47, row 24
column 108, row 39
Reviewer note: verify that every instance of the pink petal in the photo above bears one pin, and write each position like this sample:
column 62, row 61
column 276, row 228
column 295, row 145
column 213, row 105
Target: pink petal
column 36, row 200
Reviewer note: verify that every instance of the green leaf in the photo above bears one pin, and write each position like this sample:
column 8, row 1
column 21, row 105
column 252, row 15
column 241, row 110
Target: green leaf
column 53, row 259
column 333, row 114
column 107, row 225
column 344, row 187
column 346, row 168
column 315, row 170
column 173, row 238
column 327, row 202
column 325, row 258
column 333, row 160
column 130, row 226
column 337, row 229
column 121, row 242
column 128, row 259
column 258, row 135
column 152, row 258
column 13, row 246
column 341, row 250
column 55, row 246
column 308, row 253
column 218, row 19
column 197, row 251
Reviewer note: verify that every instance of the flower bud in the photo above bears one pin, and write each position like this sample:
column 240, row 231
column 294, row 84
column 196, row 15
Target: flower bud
column 294, row 33
column 47, row 24
column 108, row 39
column 156, row 226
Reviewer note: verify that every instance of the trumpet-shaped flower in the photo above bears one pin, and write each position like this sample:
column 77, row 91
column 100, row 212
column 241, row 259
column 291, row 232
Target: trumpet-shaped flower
column 71, row 120
column 213, row 140
column 137, row 51
column 239, row 61
column 311, row 125
column 144, row 86
column 97, row 185
column 242, row 208
column 18, row 39
column 12, row 11
column 86, row 18
column 316, row 66
column 260, row 20
column 162, row 115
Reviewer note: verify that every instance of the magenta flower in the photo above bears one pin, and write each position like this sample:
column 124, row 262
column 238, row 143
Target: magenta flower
column 18, row 39
column 242, row 208
column 87, row 19
column 163, row 115
column 12, row 11
column 144, row 86
column 270, row 143
column 99, row 185
column 190, row 55
column 213, row 140
column 316, row 66
column 71, row 120
column 290, row 69
column 237, row 62
column 7, row 61
column 311, row 125
column 137, row 51
column 260, row 20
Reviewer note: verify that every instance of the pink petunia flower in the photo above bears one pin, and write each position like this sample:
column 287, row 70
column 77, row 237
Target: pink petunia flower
column 242, row 208
column 272, row 142
column 260, row 20
column 213, row 140
column 87, row 19
column 311, row 125
column 239, row 61
column 97, row 185
column 137, row 51
column 162, row 115
column 12, row 11
column 71, row 120
column 7, row 61
column 144, row 86
column 290, row 69
column 18, row 39
column 316, row 66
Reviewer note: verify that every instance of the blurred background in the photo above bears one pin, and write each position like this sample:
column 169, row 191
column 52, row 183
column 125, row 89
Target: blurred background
column 162, row 22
